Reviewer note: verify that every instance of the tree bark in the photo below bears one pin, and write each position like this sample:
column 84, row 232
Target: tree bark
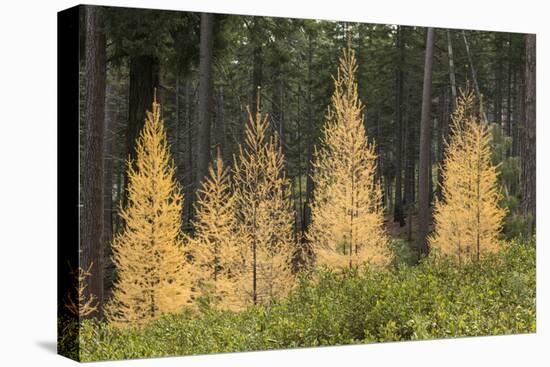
column 499, row 75
column 398, row 215
column 110, row 121
column 144, row 79
column 221, row 133
column 452, row 76
column 205, row 96
column 508, row 128
column 528, row 151
column 424, row 178
column 92, row 215
column 189, row 167
column 306, row 210
column 474, row 77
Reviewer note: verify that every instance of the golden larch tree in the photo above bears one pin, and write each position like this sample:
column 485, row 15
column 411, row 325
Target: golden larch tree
column 264, row 214
column 77, row 302
column 214, row 248
column 468, row 218
column 347, row 215
column 152, row 274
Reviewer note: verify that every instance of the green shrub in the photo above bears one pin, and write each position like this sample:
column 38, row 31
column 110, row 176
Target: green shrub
column 435, row 299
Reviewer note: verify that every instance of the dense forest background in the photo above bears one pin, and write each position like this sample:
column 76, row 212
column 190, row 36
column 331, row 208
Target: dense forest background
column 207, row 68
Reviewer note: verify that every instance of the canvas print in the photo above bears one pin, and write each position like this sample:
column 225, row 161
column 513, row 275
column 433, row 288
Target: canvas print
column 234, row 183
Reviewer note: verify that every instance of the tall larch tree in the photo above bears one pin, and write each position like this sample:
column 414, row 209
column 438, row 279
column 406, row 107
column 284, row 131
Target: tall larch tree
column 264, row 213
column 152, row 274
column 347, row 214
column 468, row 219
column 214, row 248
column 92, row 215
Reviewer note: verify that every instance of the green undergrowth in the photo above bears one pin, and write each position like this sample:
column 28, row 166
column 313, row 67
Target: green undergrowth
column 435, row 299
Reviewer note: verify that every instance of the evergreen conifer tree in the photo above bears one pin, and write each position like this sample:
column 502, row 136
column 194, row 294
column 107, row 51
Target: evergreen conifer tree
column 347, row 214
column 152, row 274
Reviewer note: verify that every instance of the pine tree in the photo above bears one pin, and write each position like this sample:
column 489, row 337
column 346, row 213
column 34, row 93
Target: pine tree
column 152, row 277
column 214, row 248
column 264, row 214
column 347, row 217
column 468, row 219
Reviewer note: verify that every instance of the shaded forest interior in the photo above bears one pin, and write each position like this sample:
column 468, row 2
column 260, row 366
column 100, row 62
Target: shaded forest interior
column 207, row 68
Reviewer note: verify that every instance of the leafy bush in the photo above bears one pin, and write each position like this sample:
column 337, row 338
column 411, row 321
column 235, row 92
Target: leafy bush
column 435, row 299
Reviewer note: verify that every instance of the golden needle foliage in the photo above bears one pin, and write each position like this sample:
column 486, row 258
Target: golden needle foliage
column 264, row 214
column 468, row 219
column 152, row 275
column 347, row 216
column 215, row 246
column 79, row 304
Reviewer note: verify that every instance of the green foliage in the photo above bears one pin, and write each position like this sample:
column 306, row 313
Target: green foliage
column 432, row 300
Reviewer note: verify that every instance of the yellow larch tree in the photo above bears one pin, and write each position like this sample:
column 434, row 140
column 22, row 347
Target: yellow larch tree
column 468, row 218
column 151, row 269
column 264, row 214
column 347, row 215
column 214, row 248
column 77, row 302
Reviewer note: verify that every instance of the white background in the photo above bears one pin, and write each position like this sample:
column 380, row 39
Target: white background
column 28, row 182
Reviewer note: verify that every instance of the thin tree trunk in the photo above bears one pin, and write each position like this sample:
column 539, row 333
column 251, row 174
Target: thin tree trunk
column 92, row 241
column 398, row 215
column 189, row 167
column 452, row 76
column 424, row 216
column 205, row 96
column 110, row 120
column 410, row 170
column 310, row 132
column 474, row 77
column 499, row 75
column 528, row 152
column 508, row 128
column 443, row 127
column 176, row 149
column 221, row 134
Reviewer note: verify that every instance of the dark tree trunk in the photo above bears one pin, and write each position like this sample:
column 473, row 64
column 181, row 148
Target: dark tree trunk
column 508, row 128
column 398, row 215
column 452, row 77
column 189, row 167
column 144, row 79
column 221, row 132
column 92, row 181
column 279, row 110
column 474, row 76
column 110, row 121
column 411, row 143
column 528, row 150
column 306, row 210
column 410, row 176
column 499, row 75
column 424, row 215
column 205, row 96
column 177, row 143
